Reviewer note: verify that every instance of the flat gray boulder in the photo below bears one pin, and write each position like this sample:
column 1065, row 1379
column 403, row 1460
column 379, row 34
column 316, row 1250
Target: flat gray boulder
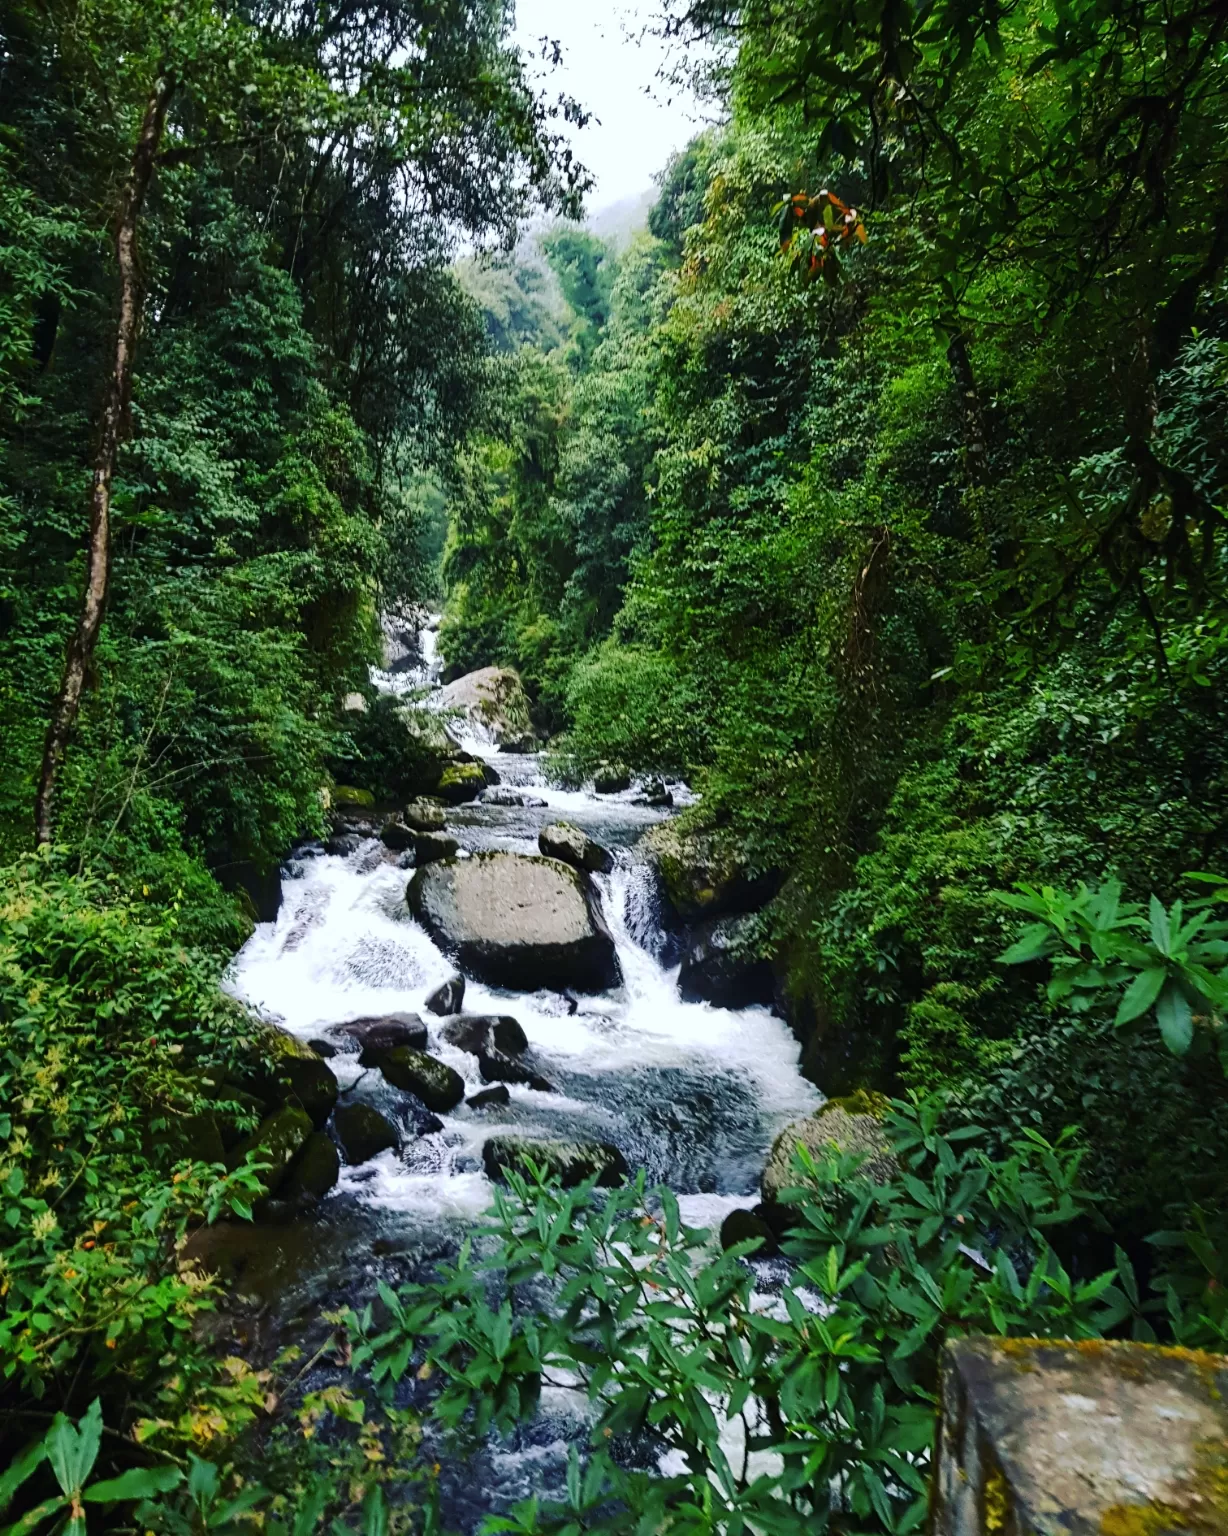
column 560, row 840
column 517, row 921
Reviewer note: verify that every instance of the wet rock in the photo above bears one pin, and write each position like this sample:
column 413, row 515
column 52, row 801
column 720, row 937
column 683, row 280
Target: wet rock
column 342, row 844
column 363, row 1132
column 490, row 1098
column 432, row 1081
column 449, row 998
column 430, row 847
column 492, row 699
column 704, row 878
column 477, row 1032
column 611, row 779
column 383, row 1033
column 276, row 1141
column 520, row 745
column 654, row 793
column 570, row 1161
column 324, row 1049
column 425, row 815
column 258, row 888
column 504, row 794
column 719, row 967
column 855, row 1132
column 517, row 921
column 292, row 1072
column 743, row 1226
column 348, row 796
column 560, row 840
column 314, row 1171
column 460, row 782
column 495, row 1067
column 397, row 836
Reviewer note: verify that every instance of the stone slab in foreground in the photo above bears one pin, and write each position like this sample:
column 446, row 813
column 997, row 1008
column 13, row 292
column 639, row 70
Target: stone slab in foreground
column 1087, row 1439
column 517, row 921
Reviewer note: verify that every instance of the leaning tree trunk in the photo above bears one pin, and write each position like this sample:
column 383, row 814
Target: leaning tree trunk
column 112, row 428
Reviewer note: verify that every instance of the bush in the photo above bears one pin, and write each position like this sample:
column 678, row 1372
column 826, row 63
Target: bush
column 628, row 706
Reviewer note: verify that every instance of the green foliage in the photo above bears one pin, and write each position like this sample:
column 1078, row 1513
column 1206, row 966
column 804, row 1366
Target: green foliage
column 813, row 1409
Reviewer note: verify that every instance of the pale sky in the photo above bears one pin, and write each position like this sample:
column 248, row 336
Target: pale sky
column 610, row 73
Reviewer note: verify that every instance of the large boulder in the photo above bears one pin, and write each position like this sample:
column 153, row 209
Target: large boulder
column 850, row 1129
column 276, row 1141
column 496, row 1067
column 363, row 1132
column 490, row 1098
column 291, row 1072
column 493, row 701
column 702, row 876
column 396, row 835
column 478, row 1032
column 514, row 920
column 560, row 840
column 719, row 967
column 430, row 847
column 570, row 1161
column 432, row 1081
column 611, row 779
column 460, row 782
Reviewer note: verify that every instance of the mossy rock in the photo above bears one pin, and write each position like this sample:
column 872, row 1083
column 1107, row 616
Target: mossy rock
column 276, row 1141
column 460, row 782
column 611, row 779
column 571, row 1162
column 363, row 1132
column 349, row 795
column 294, row 1072
column 314, row 1171
column 703, row 877
column 859, row 1133
column 434, row 1082
column 425, row 815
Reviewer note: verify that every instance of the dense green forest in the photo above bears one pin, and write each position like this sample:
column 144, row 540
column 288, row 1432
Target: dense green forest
column 878, row 489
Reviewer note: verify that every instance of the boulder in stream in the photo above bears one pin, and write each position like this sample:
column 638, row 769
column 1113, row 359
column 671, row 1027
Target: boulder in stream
column 314, row 1171
column 430, row 1080
column 292, row 1073
column 702, row 876
column 448, row 998
column 514, row 920
column 490, row 1098
column 477, row 1032
column 570, row 1161
column 493, row 700
column 718, row 966
column 496, row 1067
column 363, row 1132
column 611, row 779
column 430, row 847
column 382, row 1032
column 425, row 815
column 397, row 836
column 560, row 840
column 460, row 782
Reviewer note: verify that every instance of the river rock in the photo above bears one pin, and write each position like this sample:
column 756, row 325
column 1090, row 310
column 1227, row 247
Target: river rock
column 496, row 1067
column 430, row 847
column 314, row 1171
column 517, row 921
column 492, row 699
column 560, row 840
column 477, row 1032
column 504, row 794
column 342, row 844
column 345, row 797
column 654, row 793
column 611, row 779
column 490, row 1098
column 851, row 1133
column 702, row 876
column 277, row 1140
column 425, row 815
column 293, row 1072
column 432, row 1081
column 448, row 998
column 363, row 1132
column 324, row 1049
column 383, row 1032
column 396, row 835
column 570, row 1161
column 460, row 782
column 718, row 966
column 741, row 1226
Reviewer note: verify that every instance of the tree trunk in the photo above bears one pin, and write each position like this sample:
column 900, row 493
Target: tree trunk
column 975, row 441
column 112, row 428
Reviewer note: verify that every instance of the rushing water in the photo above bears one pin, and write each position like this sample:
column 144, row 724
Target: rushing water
column 694, row 1094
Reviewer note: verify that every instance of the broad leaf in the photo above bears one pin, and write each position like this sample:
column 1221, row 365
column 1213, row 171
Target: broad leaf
column 1140, row 995
column 1176, row 1019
